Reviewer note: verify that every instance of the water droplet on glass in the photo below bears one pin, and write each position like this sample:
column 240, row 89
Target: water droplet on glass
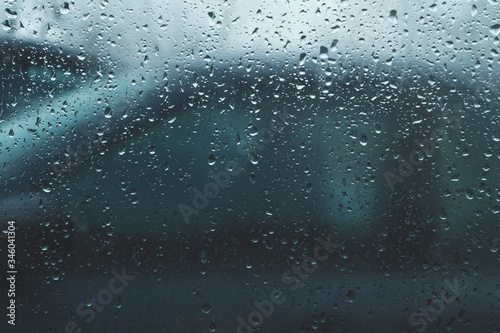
column 6, row 25
column 495, row 29
column 211, row 15
column 64, row 8
column 333, row 46
column 171, row 121
column 443, row 215
column 118, row 301
column 302, row 59
column 494, row 246
column 474, row 10
column 323, row 52
column 350, row 296
column 11, row 13
column 206, row 308
column 211, row 159
column 393, row 16
column 212, row 326
column 45, row 187
column 363, row 140
column 254, row 159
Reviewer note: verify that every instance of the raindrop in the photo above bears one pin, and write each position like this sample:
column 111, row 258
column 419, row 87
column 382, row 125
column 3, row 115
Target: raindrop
column 211, row 159
column 108, row 112
column 254, row 131
column 323, row 52
column 46, row 187
column 11, row 133
column 203, row 256
column 212, row 17
column 206, row 308
column 269, row 211
column 64, row 8
column 474, row 10
column 212, row 326
column 350, row 296
column 333, row 46
column 254, row 159
column 11, row 13
column 302, row 59
column 443, row 215
column 495, row 29
column 118, row 301
column 363, row 140
column 6, row 25
column 494, row 245
column 393, row 16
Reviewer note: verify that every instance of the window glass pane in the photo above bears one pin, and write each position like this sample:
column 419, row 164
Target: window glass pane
column 250, row 166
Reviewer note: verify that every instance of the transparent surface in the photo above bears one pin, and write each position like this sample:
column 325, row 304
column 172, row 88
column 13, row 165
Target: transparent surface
column 250, row 166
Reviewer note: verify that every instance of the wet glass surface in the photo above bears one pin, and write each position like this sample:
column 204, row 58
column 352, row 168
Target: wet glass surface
column 268, row 166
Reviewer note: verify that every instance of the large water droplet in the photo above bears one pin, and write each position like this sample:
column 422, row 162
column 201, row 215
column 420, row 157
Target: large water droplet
column 46, row 187
column 211, row 328
column 323, row 52
column 302, row 59
column 393, row 16
column 211, row 15
column 495, row 29
column 64, row 8
column 6, row 25
column 363, row 140
column 474, row 10
column 11, row 13
column 211, row 159
column 333, row 46
column 254, row 159
column 108, row 113
column 206, row 308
